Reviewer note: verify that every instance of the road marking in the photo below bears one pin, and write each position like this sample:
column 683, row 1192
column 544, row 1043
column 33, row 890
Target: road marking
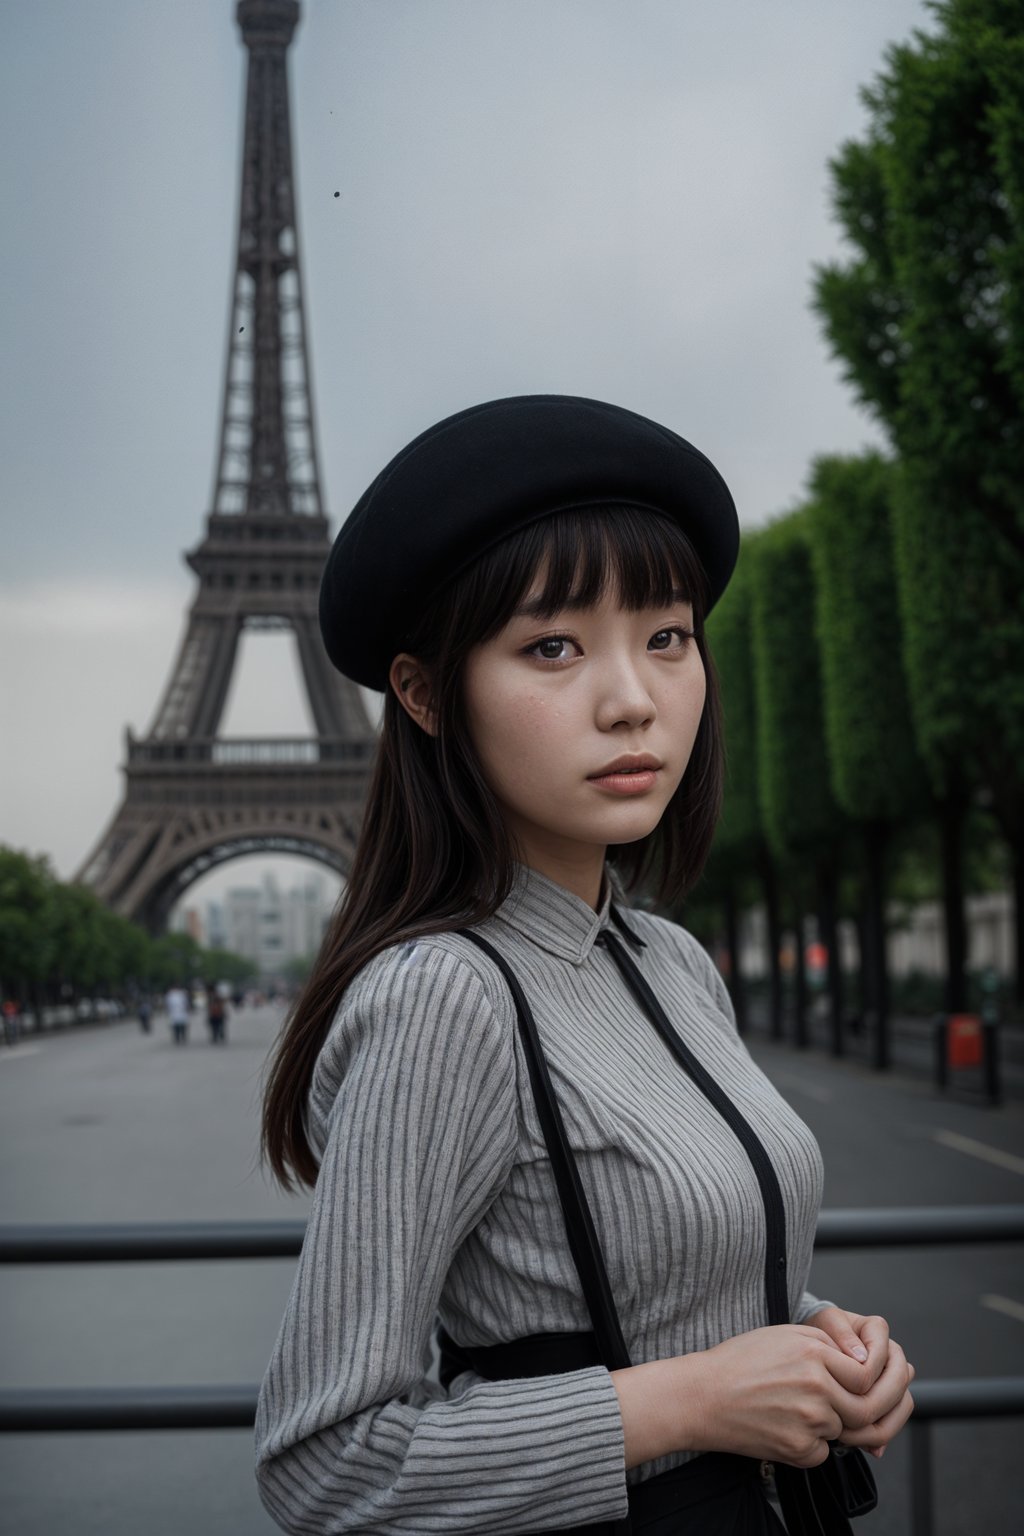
column 823, row 1095
column 16, row 1052
column 1003, row 1304
column 980, row 1149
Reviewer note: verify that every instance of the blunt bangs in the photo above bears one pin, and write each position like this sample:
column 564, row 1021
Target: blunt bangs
column 571, row 559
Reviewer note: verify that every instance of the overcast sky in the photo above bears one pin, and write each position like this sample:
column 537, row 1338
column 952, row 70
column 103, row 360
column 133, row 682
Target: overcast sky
column 616, row 198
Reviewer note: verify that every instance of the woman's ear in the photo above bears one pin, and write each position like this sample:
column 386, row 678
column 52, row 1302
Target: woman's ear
column 414, row 690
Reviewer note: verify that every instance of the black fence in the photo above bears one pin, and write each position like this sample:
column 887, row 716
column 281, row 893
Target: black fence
column 234, row 1407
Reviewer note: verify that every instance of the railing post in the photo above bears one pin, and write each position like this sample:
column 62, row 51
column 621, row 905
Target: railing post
column 921, row 1505
column 941, row 1056
column 990, row 1057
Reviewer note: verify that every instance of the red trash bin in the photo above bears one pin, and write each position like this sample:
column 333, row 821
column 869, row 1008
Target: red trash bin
column 964, row 1040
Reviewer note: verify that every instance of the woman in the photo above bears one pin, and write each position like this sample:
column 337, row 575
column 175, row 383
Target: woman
column 527, row 583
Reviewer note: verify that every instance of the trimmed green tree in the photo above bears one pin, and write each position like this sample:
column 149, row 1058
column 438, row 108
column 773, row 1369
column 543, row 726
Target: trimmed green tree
column 927, row 317
column 802, row 821
column 58, row 941
column 877, row 776
column 740, row 845
column 223, row 965
column 26, row 939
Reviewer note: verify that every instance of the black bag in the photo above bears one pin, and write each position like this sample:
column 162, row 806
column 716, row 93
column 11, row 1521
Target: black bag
column 820, row 1501
column 815, row 1501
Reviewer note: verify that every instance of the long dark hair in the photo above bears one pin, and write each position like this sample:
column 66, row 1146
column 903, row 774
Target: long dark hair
column 433, row 851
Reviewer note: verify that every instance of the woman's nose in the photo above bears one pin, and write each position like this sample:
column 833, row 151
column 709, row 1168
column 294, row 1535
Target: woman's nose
column 623, row 699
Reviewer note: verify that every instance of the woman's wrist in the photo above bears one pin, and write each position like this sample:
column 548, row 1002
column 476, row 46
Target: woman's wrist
column 662, row 1407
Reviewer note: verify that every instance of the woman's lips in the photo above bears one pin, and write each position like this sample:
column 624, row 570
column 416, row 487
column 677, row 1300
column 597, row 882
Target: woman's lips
column 625, row 783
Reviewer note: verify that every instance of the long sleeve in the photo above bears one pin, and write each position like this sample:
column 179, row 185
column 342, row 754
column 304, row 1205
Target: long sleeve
column 419, row 1138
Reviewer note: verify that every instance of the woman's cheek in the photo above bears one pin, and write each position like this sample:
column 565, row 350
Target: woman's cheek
column 521, row 713
column 523, row 741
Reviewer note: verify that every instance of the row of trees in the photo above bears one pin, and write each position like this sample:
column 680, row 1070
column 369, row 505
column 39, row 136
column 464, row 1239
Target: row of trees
column 871, row 644
column 58, row 942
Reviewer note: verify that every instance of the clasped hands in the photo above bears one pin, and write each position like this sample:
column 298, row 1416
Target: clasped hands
column 886, row 1375
column 783, row 1392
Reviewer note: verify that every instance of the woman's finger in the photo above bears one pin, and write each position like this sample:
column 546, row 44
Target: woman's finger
column 874, row 1335
column 842, row 1328
column 879, row 1450
column 875, row 1437
column 885, row 1395
column 850, row 1374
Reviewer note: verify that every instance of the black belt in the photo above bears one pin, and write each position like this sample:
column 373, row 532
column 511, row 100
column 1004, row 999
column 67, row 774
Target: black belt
column 728, row 1487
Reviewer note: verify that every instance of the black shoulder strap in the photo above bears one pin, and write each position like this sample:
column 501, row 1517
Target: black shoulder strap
column 583, row 1240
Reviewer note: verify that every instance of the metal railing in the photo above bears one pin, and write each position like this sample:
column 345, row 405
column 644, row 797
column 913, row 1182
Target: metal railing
column 242, row 752
column 53, row 1410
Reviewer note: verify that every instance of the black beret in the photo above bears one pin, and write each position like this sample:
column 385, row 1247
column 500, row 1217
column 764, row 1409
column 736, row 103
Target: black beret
column 477, row 476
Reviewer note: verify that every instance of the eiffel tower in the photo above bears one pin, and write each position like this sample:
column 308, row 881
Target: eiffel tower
column 192, row 799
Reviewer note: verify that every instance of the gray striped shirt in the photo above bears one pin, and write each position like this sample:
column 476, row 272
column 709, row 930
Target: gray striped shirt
column 435, row 1196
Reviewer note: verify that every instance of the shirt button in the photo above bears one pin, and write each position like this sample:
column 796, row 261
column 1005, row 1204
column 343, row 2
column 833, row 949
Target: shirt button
column 780, row 1262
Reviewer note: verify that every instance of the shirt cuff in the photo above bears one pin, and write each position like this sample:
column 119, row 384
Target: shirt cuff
column 808, row 1306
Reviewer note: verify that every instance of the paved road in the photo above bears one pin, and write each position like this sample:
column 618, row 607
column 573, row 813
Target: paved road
column 109, row 1124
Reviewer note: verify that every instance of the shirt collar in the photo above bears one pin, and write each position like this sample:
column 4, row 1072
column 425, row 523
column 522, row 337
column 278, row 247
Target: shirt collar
column 552, row 917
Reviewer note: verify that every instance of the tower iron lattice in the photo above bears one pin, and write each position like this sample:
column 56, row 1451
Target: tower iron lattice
column 193, row 799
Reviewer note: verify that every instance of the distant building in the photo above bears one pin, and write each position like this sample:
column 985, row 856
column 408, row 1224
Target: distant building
column 216, row 934
column 242, row 921
column 188, row 920
column 270, row 926
column 307, row 911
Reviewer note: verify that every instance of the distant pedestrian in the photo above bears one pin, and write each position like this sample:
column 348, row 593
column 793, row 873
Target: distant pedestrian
column 216, row 1012
column 176, row 1003
column 145, row 1014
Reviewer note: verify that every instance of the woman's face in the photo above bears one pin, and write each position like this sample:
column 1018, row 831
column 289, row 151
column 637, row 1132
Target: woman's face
column 584, row 725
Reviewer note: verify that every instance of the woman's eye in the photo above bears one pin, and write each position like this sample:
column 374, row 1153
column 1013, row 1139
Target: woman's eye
column 670, row 640
column 553, row 648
